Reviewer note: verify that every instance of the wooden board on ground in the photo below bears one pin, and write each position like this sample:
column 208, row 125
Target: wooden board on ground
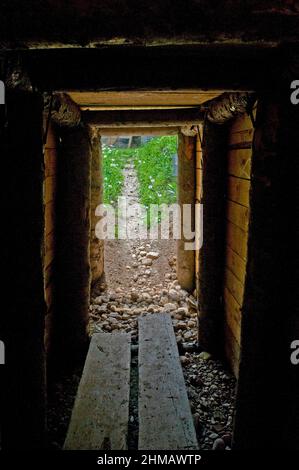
column 165, row 420
column 101, row 412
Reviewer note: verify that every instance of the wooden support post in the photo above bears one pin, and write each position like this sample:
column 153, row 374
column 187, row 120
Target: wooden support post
column 22, row 319
column 186, row 196
column 72, row 265
column 96, row 245
column 267, row 397
column 211, row 255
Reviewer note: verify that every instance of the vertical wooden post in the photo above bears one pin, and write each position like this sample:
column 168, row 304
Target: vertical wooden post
column 96, row 245
column 267, row 397
column 22, row 319
column 50, row 163
column 72, row 264
column 211, row 255
column 186, row 195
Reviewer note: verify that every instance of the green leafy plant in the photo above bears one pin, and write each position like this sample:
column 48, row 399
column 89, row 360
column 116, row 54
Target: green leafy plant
column 114, row 161
column 154, row 165
column 153, row 162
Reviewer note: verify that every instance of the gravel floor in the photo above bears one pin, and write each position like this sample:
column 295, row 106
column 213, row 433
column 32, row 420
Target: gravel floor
column 61, row 397
column 211, row 392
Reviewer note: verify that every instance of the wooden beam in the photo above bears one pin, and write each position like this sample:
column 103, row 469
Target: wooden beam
column 72, row 237
column 270, row 308
column 211, row 255
column 215, row 67
column 186, row 195
column 138, row 131
column 129, row 107
column 136, row 98
column 151, row 118
column 96, row 249
column 101, row 24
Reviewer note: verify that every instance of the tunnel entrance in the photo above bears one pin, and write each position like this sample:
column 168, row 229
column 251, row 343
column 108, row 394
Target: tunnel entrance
column 141, row 159
column 139, row 277
column 215, row 133
column 219, row 78
column 138, row 264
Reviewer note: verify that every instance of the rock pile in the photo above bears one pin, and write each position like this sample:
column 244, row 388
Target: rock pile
column 118, row 309
column 211, row 392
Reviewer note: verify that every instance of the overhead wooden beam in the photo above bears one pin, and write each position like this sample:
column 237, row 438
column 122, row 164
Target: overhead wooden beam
column 148, row 131
column 102, row 24
column 153, row 98
column 214, row 67
column 130, row 107
column 150, row 118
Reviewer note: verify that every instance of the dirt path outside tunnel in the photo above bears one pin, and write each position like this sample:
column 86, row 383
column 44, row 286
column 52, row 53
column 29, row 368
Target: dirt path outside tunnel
column 140, row 279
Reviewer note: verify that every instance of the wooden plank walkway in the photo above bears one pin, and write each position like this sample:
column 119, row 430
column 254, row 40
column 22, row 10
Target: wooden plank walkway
column 165, row 419
column 101, row 411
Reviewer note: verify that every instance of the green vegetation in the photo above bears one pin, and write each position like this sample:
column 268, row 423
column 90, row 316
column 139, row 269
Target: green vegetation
column 114, row 161
column 154, row 166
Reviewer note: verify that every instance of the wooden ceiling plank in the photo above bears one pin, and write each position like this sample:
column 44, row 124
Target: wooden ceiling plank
column 148, row 131
column 148, row 118
column 146, row 98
